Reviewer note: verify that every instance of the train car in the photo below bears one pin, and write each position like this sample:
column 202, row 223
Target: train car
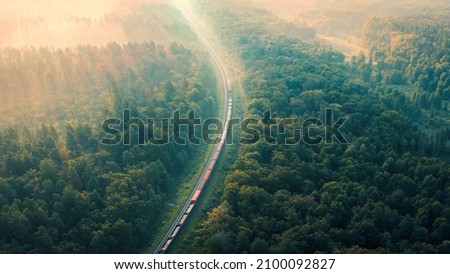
column 166, row 245
column 191, row 206
column 224, row 135
column 202, row 184
column 216, row 155
column 175, row 232
column 183, row 219
column 207, row 174
column 196, row 195
column 219, row 148
column 212, row 164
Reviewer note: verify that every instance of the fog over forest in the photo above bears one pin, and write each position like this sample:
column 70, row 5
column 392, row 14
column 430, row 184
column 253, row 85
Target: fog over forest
column 66, row 23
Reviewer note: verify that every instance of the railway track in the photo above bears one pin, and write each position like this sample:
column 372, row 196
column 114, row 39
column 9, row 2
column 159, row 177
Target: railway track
column 184, row 214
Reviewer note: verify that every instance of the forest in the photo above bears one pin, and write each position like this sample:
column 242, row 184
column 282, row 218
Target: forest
column 386, row 192
column 61, row 77
column 61, row 191
column 412, row 50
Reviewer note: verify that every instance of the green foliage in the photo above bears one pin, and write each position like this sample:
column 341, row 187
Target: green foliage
column 412, row 50
column 61, row 190
column 386, row 192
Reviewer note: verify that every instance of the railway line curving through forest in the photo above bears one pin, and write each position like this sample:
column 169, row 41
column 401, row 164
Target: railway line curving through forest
column 205, row 176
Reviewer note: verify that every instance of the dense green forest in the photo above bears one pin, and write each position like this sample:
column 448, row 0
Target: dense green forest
column 61, row 191
column 386, row 192
column 412, row 50
column 346, row 17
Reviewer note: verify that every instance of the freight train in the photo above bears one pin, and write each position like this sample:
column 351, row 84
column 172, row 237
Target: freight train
column 204, row 180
